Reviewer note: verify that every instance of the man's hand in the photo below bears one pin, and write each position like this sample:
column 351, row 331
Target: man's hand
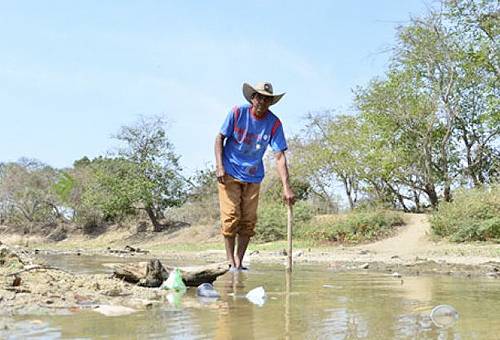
column 219, row 168
column 288, row 196
column 220, row 172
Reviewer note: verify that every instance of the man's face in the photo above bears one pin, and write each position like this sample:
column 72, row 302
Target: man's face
column 261, row 104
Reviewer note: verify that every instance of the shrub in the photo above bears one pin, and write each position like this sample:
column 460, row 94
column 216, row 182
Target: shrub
column 354, row 227
column 474, row 215
column 272, row 220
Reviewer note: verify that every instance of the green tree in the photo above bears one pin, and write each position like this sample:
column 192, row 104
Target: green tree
column 152, row 167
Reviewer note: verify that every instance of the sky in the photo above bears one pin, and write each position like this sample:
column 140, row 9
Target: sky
column 73, row 72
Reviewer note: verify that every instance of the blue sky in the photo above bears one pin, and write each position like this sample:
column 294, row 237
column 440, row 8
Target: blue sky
column 74, row 72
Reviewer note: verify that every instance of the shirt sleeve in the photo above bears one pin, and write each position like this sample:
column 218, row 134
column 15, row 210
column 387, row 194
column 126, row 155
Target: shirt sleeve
column 278, row 141
column 227, row 127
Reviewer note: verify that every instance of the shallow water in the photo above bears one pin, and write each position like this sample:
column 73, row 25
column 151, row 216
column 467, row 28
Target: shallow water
column 313, row 303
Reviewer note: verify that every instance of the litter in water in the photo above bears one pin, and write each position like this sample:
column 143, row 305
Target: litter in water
column 444, row 316
column 257, row 296
column 174, row 281
column 207, row 290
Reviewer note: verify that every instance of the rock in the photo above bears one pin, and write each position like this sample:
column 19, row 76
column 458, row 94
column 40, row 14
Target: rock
column 365, row 266
column 396, row 274
column 110, row 310
column 155, row 274
column 363, row 252
column 394, row 257
column 16, row 281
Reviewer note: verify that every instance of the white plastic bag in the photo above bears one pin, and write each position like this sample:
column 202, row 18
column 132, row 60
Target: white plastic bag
column 257, row 296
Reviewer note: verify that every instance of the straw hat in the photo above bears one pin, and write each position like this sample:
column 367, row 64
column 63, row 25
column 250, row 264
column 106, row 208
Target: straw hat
column 263, row 88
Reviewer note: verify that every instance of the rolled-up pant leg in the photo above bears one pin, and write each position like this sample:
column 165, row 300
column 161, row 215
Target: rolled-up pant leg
column 230, row 210
column 249, row 204
column 238, row 207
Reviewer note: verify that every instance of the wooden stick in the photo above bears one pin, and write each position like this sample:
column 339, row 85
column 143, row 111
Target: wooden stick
column 289, row 237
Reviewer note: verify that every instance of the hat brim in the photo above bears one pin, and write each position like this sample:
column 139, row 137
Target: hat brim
column 248, row 92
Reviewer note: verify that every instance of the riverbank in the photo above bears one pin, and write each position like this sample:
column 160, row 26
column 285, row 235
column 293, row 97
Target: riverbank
column 411, row 250
column 30, row 285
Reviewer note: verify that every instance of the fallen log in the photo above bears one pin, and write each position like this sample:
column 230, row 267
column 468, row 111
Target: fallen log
column 153, row 273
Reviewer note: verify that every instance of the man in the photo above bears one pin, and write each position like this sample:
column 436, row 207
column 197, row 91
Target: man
column 247, row 131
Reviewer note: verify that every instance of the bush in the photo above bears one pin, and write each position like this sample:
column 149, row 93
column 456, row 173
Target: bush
column 474, row 215
column 354, row 227
column 272, row 220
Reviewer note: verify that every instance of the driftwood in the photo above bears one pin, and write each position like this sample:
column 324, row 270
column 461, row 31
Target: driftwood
column 153, row 273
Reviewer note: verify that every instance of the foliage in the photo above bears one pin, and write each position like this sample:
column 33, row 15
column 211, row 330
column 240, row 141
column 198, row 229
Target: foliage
column 356, row 226
column 474, row 215
column 202, row 204
column 26, row 191
column 153, row 175
column 272, row 219
column 430, row 125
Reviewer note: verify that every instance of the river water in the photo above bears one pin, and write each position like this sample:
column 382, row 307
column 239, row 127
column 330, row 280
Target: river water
column 313, row 302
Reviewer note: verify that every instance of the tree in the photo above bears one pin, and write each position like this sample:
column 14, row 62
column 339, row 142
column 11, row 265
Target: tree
column 152, row 167
column 27, row 193
column 330, row 152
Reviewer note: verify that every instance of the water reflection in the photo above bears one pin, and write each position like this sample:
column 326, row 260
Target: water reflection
column 311, row 302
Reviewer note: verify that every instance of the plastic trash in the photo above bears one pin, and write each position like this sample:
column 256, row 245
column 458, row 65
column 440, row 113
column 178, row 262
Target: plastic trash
column 207, row 290
column 444, row 316
column 257, row 296
column 175, row 298
column 174, row 281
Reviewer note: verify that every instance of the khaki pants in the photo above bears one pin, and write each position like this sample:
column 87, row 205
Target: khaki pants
column 238, row 207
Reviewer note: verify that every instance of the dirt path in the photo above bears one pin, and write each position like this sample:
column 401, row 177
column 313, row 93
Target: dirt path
column 413, row 238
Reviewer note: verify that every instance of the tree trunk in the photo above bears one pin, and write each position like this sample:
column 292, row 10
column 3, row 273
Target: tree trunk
column 416, row 197
column 153, row 273
column 348, row 192
column 430, row 190
column 154, row 220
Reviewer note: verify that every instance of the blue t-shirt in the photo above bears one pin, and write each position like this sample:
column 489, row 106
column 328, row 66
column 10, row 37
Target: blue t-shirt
column 247, row 140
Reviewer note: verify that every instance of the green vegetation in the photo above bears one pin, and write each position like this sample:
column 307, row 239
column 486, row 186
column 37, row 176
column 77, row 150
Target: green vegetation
column 272, row 220
column 416, row 139
column 474, row 215
column 429, row 125
column 354, row 227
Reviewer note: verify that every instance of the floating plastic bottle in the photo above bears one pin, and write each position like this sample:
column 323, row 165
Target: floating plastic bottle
column 444, row 316
column 207, row 290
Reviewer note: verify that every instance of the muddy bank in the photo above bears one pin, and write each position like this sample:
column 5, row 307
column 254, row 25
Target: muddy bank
column 30, row 286
column 341, row 259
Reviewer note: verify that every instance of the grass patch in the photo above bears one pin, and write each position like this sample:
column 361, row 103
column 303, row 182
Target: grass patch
column 474, row 215
column 355, row 227
column 272, row 220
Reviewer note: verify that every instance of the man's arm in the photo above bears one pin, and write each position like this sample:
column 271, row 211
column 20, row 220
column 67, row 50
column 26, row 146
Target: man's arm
column 288, row 195
column 219, row 167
